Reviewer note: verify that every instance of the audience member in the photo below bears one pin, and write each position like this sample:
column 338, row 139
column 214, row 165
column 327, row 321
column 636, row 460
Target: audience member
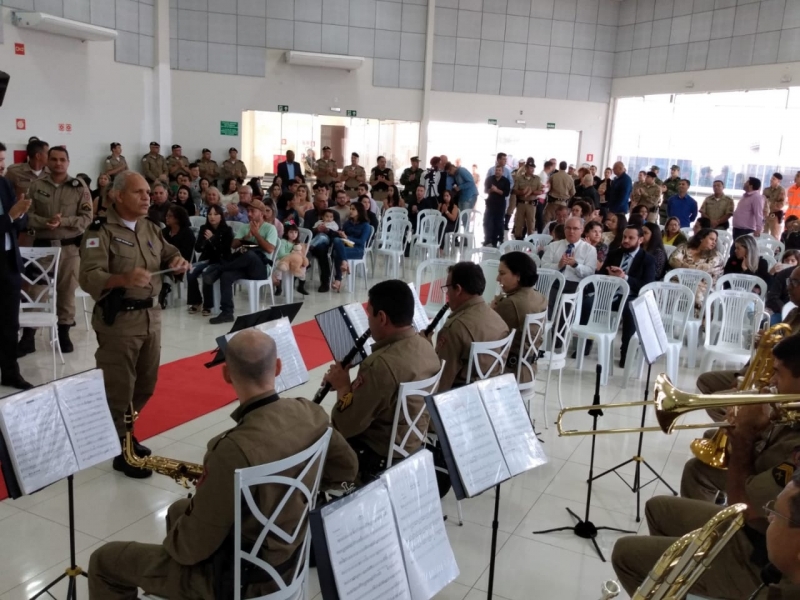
column 682, row 205
column 342, row 205
column 371, row 216
column 183, row 198
column 556, row 231
column 411, row 178
column 673, row 236
column 700, row 252
column 588, row 191
column 255, row 188
column 448, row 207
column 619, row 192
column 643, row 212
column 352, row 175
column 654, row 246
column 718, row 207
column 393, row 197
column 115, row 162
column 214, row 245
column 746, row 259
column 670, row 187
column 380, row 178
column 791, row 235
column 648, row 195
column 790, row 258
column 498, row 187
column 351, row 242
column 230, row 191
column 603, row 187
column 209, row 169
column 778, row 294
column 302, row 200
column 574, row 257
column 793, row 198
column 464, row 185
column 581, row 209
column 158, row 210
column 290, row 170
column 271, row 217
column 319, row 248
column 749, row 214
column 178, row 231
column 286, row 260
column 100, row 199
column 774, row 204
column 593, row 234
column 562, row 188
column 204, row 185
column 615, row 226
column 701, row 223
column 213, row 198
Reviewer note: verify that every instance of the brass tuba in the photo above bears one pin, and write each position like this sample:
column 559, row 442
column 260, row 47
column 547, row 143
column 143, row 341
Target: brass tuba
column 714, row 451
column 184, row 473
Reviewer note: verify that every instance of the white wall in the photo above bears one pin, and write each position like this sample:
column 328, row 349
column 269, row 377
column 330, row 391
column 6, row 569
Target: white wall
column 64, row 80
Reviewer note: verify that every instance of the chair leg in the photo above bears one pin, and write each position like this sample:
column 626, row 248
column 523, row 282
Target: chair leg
column 271, row 294
column 691, row 347
column 460, row 514
column 560, row 371
column 546, row 390
column 580, row 347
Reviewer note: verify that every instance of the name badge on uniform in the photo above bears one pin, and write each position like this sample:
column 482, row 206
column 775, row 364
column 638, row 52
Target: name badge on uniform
column 43, row 193
column 93, row 242
column 123, row 241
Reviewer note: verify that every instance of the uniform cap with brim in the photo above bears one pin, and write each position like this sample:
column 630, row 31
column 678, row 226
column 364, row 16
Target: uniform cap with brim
column 205, row 150
column 674, row 168
column 155, row 144
column 232, row 150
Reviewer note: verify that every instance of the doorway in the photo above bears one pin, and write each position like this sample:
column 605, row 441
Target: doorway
column 334, row 136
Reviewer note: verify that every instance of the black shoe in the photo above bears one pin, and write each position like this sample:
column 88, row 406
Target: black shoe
column 621, row 362
column 278, row 289
column 16, row 382
column 623, row 353
column 324, row 288
column 63, row 339
column 139, row 449
column 222, row 318
column 119, row 464
column 27, row 344
column 301, row 287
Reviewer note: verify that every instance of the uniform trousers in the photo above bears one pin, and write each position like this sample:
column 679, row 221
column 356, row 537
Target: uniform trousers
column 551, row 207
column 525, row 218
column 701, row 482
column 10, row 281
column 732, row 575
column 512, row 204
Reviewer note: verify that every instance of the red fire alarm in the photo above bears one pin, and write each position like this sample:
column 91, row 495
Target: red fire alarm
column 590, row 157
column 21, row 124
column 69, row 127
column 61, row 127
column 19, row 49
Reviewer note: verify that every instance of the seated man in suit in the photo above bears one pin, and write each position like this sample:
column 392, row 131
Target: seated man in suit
column 290, row 170
column 572, row 256
column 631, row 263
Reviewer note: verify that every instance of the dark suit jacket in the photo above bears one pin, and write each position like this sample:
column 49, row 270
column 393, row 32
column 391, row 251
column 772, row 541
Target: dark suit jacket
column 283, row 173
column 9, row 198
column 641, row 272
column 778, row 292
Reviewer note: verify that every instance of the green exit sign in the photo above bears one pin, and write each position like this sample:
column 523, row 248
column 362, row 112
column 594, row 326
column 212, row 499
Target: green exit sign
column 283, row 108
column 352, row 113
column 551, row 125
column 229, row 128
column 492, row 121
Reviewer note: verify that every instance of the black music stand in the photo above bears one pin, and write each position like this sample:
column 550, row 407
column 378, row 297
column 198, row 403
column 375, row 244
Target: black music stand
column 653, row 345
column 584, row 528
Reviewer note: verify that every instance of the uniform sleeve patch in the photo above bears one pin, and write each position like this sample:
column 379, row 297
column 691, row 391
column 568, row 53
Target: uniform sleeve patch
column 75, row 183
column 359, row 381
column 783, row 474
column 93, row 242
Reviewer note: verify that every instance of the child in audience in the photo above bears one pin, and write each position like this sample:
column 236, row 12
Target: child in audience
column 290, row 257
column 330, row 225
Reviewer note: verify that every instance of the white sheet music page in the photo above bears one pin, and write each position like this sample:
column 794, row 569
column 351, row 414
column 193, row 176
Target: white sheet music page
column 358, row 317
column 293, row 369
column 83, row 404
column 430, row 563
column 512, row 425
column 477, row 453
column 649, row 327
column 364, row 549
column 37, row 439
column 421, row 320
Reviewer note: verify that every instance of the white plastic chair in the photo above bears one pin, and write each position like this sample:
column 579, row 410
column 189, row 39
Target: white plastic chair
column 433, row 274
column 603, row 320
column 496, row 351
column 429, row 236
column 669, row 250
column 724, row 241
column 490, row 267
column 743, row 283
column 787, row 308
column 547, row 278
column 425, row 387
column 675, row 303
column 518, row 246
column 197, row 221
column 393, row 214
column 771, row 262
column 79, row 293
column 393, row 246
column 691, row 278
column 770, row 245
column 478, row 255
column 688, row 232
column 254, row 287
column 424, row 214
column 274, row 473
column 356, row 263
column 555, row 355
column 464, row 237
column 532, row 333
column 304, row 235
column 540, row 240
column 734, row 337
column 40, row 270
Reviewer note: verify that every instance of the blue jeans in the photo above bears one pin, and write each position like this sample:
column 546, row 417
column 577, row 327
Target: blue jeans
column 320, row 240
column 249, row 265
column 342, row 252
column 467, row 202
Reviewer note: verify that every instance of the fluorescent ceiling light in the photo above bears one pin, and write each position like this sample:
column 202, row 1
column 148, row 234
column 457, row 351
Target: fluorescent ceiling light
column 59, row 26
column 327, row 61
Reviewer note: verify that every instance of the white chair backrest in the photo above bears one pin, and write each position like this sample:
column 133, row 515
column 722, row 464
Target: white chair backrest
column 424, row 214
column 423, row 388
column 603, row 316
column 490, row 267
column 496, row 353
column 392, row 220
column 394, row 211
column 371, row 238
column 433, row 274
column 532, row 332
column 313, row 459
column 562, row 329
column 305, row 235
column 197, row 221
column 431, row 230
column 668, row 249
column 394, row 239
column 743, row 283
column 688, row 232
column 468, row 220
column 691, row 278
column 478, row 255
column 540, row 240
column 723, row 235
column 518, row 246
column 737, row 315
column 787, row 308
column 544, row 284
column 675, row 303
column 39, row 268
column 770, row 245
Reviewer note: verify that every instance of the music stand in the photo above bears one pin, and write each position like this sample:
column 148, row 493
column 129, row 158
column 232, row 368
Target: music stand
column 653, row 344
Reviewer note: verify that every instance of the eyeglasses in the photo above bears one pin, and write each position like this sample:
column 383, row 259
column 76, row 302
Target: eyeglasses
column 769, row 508
column 445, row 287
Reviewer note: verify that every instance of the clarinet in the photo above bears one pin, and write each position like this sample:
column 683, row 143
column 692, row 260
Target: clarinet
column 360, row 342
column 439, row 316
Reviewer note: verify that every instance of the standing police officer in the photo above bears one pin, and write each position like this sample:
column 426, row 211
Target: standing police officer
column 325, row 170
column 208, row 168
column 177, row 163
column 154, row 166
column 119, row 253
column 410, row 179
column 22, row 175
column 352, row 175
column 115, row 162
column 233, row 168
column 61, row 211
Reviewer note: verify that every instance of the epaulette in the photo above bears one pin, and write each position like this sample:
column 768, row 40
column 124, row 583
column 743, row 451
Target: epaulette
column 75, row 182
column 97, row 223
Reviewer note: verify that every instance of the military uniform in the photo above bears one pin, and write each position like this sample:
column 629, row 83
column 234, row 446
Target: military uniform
column 410, row 180
column 649, row 196
column 115, row 162
column 513, row 308
column 352, row 176
column 129, row 350
column 471, row 322
column 72, row 200
column 774, row 204
column 526, row 189
column 153, row 167
column 512, row 197
column 176, row 165
column 233, row 169
column 326, row 172
column 380, row 190
column 268, row 429
column 717, row 208
column 21, row 176
column 210, row 170
column 672, row 190
column 368, row 418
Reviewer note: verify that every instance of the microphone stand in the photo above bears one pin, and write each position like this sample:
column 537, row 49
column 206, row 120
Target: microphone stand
column 584, row 528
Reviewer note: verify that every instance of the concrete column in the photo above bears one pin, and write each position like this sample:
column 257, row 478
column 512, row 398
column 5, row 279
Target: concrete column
column 163, row 77
column 426, row 87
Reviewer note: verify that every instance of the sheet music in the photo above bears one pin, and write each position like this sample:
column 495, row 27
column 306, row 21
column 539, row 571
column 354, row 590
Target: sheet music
column 364, row 548
column 421, row 320
column 83, row 404
column 649, row 327
column 37, row 439
column 358, row 317
column 512, row 425
column 337, row 334
column 477, row 454
column 430, row 564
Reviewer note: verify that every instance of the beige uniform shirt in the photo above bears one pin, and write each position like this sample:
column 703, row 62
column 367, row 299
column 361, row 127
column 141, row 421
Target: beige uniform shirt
column 647, row 195
column 717, row 208
column 153, row 167
column 474, row 321
column 209, row 169
column 71, row 199
column 263, row 434
column 114, row 162
column 775, row 199
column 562, row 186
column 233, row 169
column 523, row 183
column 177, row 164
column 513, row 308
column 21, row 176
column 326, row 171
column 398, row 359
column 111, row 248
column 352, row 176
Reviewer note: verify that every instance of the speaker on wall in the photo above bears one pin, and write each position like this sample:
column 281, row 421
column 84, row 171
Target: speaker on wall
column 4, row 77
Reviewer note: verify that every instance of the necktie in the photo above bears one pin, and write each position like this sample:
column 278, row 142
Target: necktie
column 626, row 262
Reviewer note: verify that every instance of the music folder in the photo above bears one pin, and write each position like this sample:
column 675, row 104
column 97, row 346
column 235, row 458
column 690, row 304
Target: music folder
column 341, row 327
column 387, row 540
column 649, row 327
column 485, row 433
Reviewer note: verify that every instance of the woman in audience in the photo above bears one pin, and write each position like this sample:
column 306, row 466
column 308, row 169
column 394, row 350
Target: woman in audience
column 393, row 198
column 588, row 191
column 277, row 181
column 178, row 231
column 448, row 207
column 642, row 211
column 270, row 216
column 517, row 276
column 790, row 258
column 371, row 216
column 746, row 259
column 581, row 209
column 700, row 252
column 100, row 201
column 593, row 234
column 791, row 234
column 302, row 202
column 701, row 223
column 654, row 246
column 672, row 235
column 204, row 185
column 183, row 198
column 213, row 198
column 230, row 191
column 350, row 242
column 214, row 245
column 255, row 185
column 615, row 226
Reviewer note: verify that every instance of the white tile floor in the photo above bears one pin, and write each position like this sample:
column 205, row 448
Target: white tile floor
column 34, row 547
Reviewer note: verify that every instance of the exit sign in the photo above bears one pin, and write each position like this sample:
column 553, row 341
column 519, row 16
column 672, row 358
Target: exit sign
column 19, row 49
column 492, row 121
column 283, row 108
column 352, row 113
column 551, row 125
column 229, row 128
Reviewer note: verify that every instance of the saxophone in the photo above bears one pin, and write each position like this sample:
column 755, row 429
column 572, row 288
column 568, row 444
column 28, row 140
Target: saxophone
column 184, row 473
column 714, row 452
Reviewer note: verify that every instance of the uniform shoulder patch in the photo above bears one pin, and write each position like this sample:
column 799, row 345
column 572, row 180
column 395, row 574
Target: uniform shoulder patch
column 97, row 224
column 76, row 183
column 782, row 474
column 359, row 381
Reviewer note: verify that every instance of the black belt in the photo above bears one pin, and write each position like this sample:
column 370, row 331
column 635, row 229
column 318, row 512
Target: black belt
column 136, row 304
column 554, row 200
column 76, row 241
